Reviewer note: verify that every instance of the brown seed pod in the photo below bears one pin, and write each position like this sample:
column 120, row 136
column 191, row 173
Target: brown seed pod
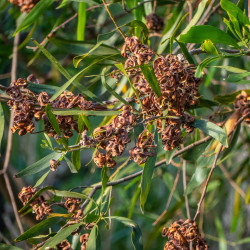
column 181, row 233
column 154, row 22
column 25, row 5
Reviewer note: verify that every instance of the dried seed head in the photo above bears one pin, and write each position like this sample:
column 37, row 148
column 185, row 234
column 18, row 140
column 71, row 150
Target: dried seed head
column 181, row 233
column 154, row 22
column 25, row 5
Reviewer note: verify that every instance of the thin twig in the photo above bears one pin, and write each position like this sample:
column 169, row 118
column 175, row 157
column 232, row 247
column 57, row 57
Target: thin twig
column 60, row 26
column 232, row 182
column 112, row 18
column 190, row 10
column 184, row 165
column 230, row 51
column 170, row 196
column 207, row 181
column 10, row 135
column 154, row 8
column 201, row 220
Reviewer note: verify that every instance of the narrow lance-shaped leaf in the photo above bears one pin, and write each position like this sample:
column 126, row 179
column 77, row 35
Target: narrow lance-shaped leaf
column 41, row 179
column 203, row 65
column 91, row 244
column 111, row 90
column 52, row 119
column 81, row 21
column 66, row 74
column 39, row 228
column 204, row 164
column 200, row 33
column 136, row 235
column 186, row 53
column 213, row 130
column 147, row 174
column 122, row 69
column 230, row 98
column 149, row 74
column 8, row 247
column 70, row 165
column 65, row 112
column 60, row 236
column 40, row 165
column 196, row 17
column 37, row 11
column 174, row 32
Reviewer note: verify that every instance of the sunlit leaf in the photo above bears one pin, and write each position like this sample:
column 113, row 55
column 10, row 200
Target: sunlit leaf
column 213, row 130
column 40, row 165
column 34, row 14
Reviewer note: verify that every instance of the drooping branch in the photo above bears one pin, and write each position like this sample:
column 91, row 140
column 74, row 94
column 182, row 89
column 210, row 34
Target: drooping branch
column 159, row 163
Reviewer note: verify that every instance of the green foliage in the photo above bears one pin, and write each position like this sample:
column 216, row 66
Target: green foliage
column 78, row 49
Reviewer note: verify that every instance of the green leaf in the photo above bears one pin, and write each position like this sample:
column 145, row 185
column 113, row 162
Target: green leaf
column 86, row 121
column 1, row 124
column 169, row 181
column 170, row 26
column 82, row 14
column 60, row 236
column 90, row 217
column 8, row 247
column 67, row 194
column 52, row 119
column 39, row 228
column 230, row 98
column 201, row 171
column 149, row 74
column 34, row 14
column 234, row 11
column 111, row 90
column 209, row 47
column 38, row 88
column 200, row 33
column 105, row 178
column 83, row 47
column 41, row 179
column 222, row 238
column 91, row 244
column 76, row 156
column 64, row 2
column 70, row 165
column 169, row 155
column 203, row 65
column 40, row 165
column 231, row 69
column 171, row 41
column 66, row 75
column 122, row 69
column 78, row 59
column 247, row 199
column 237, row 77
column 185, row 52
column 66, row 112
column 147, row 174
column 136, row 233
column 213, row 130
column 196, row 17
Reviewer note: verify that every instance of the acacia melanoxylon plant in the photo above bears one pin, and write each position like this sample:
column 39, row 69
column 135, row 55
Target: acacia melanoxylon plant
column 116, row 100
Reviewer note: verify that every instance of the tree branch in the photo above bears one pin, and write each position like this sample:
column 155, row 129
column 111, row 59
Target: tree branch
column 10, row 136
column 207, row 181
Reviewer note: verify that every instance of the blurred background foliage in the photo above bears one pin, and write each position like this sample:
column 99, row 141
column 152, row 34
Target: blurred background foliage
column 225, row 215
